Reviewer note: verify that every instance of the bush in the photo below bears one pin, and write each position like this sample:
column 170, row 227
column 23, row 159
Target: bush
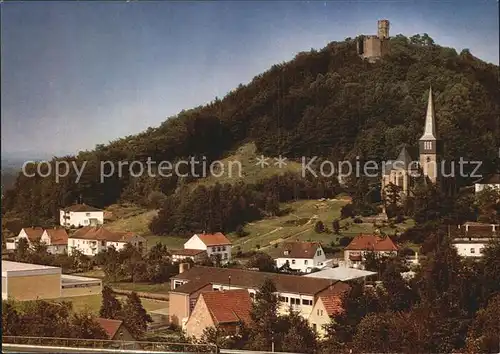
column 319, row 227
column 344, row 241
column 347, row 211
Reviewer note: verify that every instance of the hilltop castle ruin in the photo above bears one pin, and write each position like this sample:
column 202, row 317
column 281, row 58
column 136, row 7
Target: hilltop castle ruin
column 374, row 47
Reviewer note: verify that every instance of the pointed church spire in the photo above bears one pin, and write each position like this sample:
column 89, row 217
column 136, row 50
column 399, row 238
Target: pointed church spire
column 430, row 121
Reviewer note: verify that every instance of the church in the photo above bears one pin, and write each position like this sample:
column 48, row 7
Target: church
column 412, row 163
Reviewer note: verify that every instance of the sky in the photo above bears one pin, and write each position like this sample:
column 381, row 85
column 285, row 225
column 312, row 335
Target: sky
column 77, row 74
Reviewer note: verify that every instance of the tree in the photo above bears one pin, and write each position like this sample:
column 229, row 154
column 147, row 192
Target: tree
column 262, row 261
column 11, row 323
column 484, row 333
column 298, row 336
column 488, row 202
column 319, row 227
column 111, row 307
column 134, row 315
column 336, row 226
column 22, row 251
column 264, row 315
column 84, row 326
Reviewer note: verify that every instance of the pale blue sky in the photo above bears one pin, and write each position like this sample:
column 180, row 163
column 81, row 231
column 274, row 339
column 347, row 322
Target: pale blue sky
column 76, row 74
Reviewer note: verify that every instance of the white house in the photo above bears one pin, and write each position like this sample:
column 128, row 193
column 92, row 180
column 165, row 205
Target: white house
column 56, row 240
column 213, row 244
column 31, row 234
column 81, row 215
column 355, row 252
column 92, row 240
column 472, row 238
column 301, row 256
column 492, row 182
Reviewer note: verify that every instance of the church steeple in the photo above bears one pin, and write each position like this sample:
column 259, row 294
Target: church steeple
column 429, row 144
column 430, row 121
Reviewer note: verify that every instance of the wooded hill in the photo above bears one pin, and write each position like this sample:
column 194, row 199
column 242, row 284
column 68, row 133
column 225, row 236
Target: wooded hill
column 328, row 103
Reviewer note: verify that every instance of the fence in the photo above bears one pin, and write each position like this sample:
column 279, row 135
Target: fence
column 111, row 344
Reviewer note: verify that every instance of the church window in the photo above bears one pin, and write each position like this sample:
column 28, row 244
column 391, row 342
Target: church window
column 428, row 145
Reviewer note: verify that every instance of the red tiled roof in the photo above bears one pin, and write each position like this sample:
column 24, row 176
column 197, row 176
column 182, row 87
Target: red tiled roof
column 187, row 252
column 110, row 326
column 228, row 306
column 34, row 233
column 299, row 249
column 102, row 234
column 81, row 208
column 371, row 242
column 57, row 236
column 217, row 239
column 332, row 304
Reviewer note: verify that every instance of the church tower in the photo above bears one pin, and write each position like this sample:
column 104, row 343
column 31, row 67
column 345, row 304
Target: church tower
column 429, row 145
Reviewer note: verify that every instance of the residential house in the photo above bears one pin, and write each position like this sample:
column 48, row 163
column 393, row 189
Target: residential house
column 213, row 244
column 327, row 305
column 30, row 234
column 301, row 256
column 115, row 329
column 294, row 291
column 355, row 252
column 81, row 215
column 492, row 182
column 225, row 309
column 194, row 255
column 471, row 238
column 56, row 240
column 92, row 240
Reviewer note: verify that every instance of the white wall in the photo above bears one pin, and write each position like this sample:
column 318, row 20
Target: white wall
column 304, row 264
column 470, row 249
column 196, row 243
column 480, row 187
column 87, row 247
column 80, row 218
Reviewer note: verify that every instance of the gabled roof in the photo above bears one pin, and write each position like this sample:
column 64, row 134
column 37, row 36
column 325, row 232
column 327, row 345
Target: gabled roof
column 33, row 233
column 371, row 243
column 405, row 160
column 84, row 208
column 191, row 287
column 298, row 249
column 57, row 236
column 187, row 252
column 100, row 233
column 340, row 273
column 228, row 306
column 110, row 326
column 249, row 279
column 217, row 239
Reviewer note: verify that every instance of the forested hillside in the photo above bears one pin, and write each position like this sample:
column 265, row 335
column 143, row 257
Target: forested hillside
column 328, row 103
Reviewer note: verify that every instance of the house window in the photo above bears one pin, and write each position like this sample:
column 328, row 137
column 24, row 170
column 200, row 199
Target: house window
column 472, row 250
column 214, row 249
column 307, row 302
column 283, row 299
column 321, row 312
column 294, row 301
column 305, row 262
column 87, row 214
column 225, row 255
column 293, row 261
column 223, row 248
column 317, row 312
column 218, row 249
column 314, row 327
column 481, row 250
column 318, row 253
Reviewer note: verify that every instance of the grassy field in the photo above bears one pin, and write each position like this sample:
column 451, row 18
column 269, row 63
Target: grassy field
column 241, row 166
column 162, row 288
column 93, row 303
column 299, row 225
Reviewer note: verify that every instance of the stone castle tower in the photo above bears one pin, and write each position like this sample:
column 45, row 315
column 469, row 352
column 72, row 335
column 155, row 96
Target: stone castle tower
column 429, row 147
column 374, row 47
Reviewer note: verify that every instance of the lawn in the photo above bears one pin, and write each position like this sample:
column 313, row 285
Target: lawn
column 299, row 223
column 162, row 288
column 93, row 303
